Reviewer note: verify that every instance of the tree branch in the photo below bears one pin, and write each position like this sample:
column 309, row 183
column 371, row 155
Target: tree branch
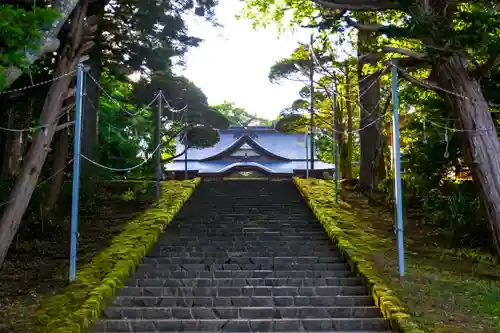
column 484, row 70
column 405, row 52
column 175, row 156
column 358, row 5
column 371, row 58
column 427, row 84
column 365, row 27
column 65, row 125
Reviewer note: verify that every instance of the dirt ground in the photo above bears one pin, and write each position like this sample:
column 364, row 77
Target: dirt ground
column 37, row 267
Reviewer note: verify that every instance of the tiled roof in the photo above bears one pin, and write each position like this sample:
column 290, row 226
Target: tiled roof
column 289, row 146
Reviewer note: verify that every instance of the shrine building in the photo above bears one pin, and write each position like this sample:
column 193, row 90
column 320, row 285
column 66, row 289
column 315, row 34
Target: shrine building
column 249, row 152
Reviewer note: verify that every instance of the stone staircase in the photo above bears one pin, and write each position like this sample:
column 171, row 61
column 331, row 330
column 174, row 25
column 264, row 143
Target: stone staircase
column 243, row 256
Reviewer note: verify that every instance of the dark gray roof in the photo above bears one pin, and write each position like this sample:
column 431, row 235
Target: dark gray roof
column 289, row 146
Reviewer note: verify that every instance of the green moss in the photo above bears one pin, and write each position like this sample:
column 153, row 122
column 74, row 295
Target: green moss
column 80, row 304
column 356, row 244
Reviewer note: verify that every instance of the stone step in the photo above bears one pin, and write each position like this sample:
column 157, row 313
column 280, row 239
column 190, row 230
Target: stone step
column 153, row 272
column 243, row 267
column 305, row 312
column 242, row 332
column 242, row 260
column 243, row 256
column 267, row 223
column 270, row 238
column 285, row 282
column 244, row 233
column 243, row 291
column 242, row 301
column 249, row 218
column 257, row 222
column 242, row 230
column 241, row 325
column 261, row 250
column 233, row 229
column 274, row 216
column 236, row 210
column 252, row 203
column 160, row 251
column 242, row 244
column 257, row 237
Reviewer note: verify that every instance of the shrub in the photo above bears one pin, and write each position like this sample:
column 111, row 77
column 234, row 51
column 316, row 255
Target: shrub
column 453, row 207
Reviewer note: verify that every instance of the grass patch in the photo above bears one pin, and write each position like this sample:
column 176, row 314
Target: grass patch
column 80, row 304
column 444, row 291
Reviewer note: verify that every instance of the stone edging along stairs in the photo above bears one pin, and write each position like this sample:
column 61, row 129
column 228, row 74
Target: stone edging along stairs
column 243, row 256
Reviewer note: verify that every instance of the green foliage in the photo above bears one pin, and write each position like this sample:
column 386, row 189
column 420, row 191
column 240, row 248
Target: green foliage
column 128, row 195
column 455, row 207
column 19, row 31
column 147, row 35
column 123, row 138
column 81, row 303
column 238, row 116
column 182, row 94
column 292, row 123
column 452, row 208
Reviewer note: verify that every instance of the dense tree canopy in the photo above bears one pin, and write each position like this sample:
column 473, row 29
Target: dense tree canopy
column 445, row 52
column 119, row 38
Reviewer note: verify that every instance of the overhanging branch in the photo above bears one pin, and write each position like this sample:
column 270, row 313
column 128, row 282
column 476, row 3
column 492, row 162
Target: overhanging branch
column 365, row 27
column 427, row 84
column 358, row 5
column 405, row 52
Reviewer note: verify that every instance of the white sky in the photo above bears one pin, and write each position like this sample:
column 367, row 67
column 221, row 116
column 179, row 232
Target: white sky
column 233, row 62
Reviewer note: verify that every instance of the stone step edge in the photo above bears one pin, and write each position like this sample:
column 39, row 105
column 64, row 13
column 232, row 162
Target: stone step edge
column 352, row 278
column 244, row 320
column 223, row 297
column 237, row 256
column 247, row 332
column 372, row 307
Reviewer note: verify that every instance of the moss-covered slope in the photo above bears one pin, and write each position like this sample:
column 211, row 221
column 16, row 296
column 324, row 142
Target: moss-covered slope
column 356, row 243
column 80, row 304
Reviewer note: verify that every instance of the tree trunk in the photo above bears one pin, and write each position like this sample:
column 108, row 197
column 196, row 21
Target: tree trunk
column 14, row 150
column 370, row 132
column 480, row 142
column 61, row 145
column 350, row 113
column 91, row 102
column 369, row 100
column 37, row 153
column 341, row 139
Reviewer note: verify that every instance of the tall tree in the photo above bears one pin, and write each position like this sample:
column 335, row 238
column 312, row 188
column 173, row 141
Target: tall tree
column 159, row 47
column 129, row 41
column 453, row 44
column 79, row 33
column 333, row 81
